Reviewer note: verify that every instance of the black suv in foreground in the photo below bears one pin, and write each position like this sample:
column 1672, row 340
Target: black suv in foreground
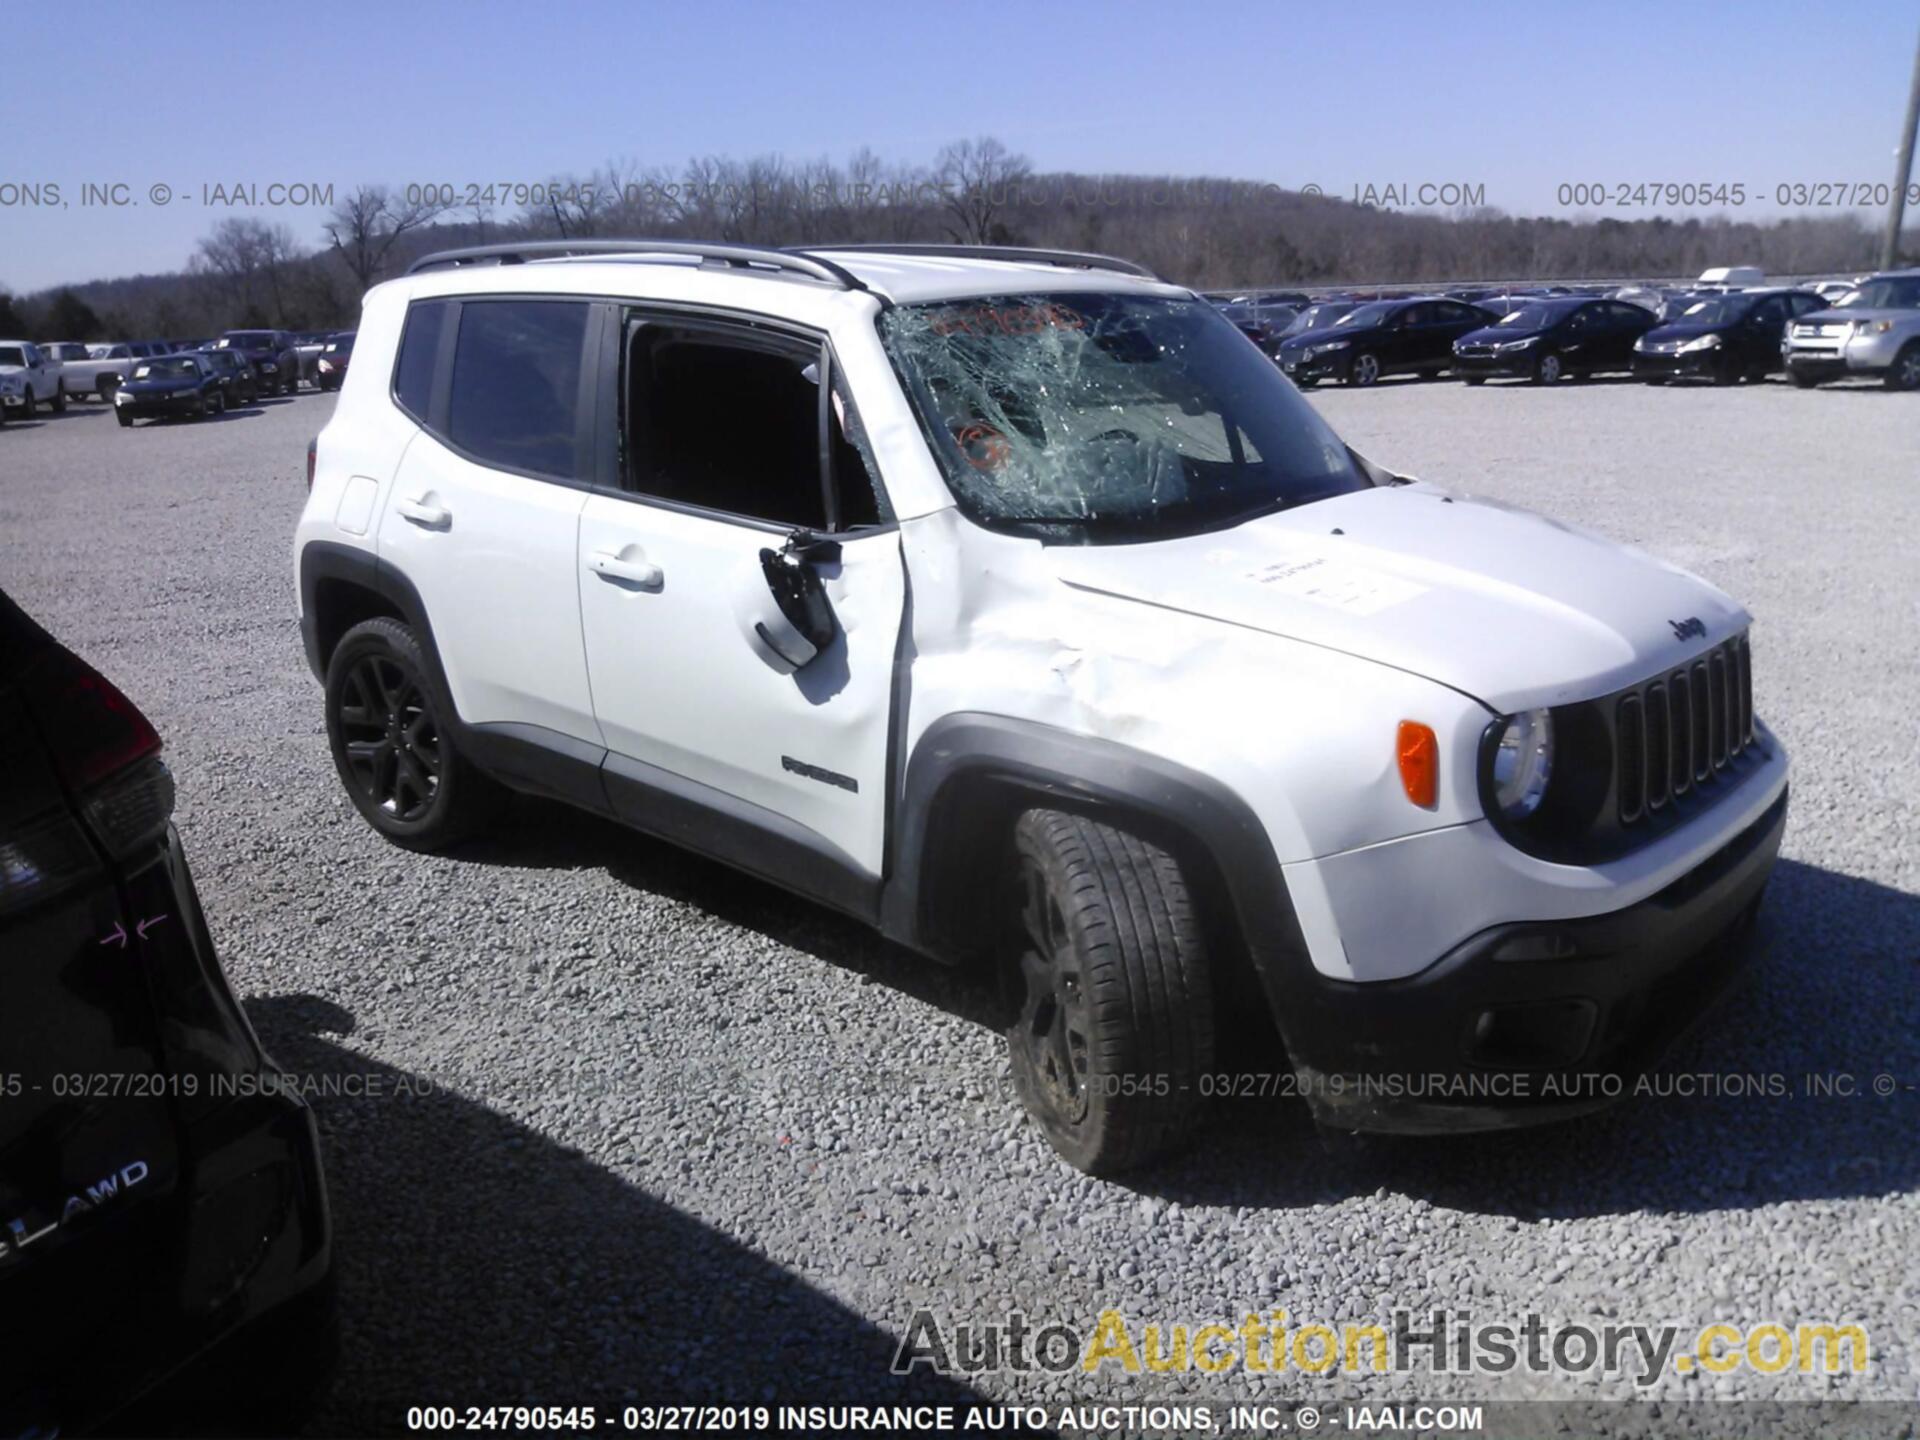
column 276, row 365
column 161, row 1208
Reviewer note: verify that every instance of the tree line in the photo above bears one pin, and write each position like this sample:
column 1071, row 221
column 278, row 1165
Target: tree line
column 1207, row 232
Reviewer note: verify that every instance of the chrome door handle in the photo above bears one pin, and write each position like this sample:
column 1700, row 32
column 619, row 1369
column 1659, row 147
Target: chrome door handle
column 609, row 565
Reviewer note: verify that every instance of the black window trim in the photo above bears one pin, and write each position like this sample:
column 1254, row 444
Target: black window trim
column 631, row 313
column 597, row 449
column 437, row 422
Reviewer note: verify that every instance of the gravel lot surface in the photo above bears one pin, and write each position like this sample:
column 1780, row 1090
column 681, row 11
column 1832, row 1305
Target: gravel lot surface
column 672, row 1134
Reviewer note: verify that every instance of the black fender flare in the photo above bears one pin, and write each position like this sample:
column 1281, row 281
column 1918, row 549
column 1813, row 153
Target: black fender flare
column 1194, row 816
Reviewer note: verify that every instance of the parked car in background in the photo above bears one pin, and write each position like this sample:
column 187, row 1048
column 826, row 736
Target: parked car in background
column 105, row 367
column 1649, row 297
column 1723, row 338
column 307, row 346
column 1318, row 316
column 275, row 365
column 66, row 353
column 1550, row 340
column 1262, row 323
column 1411, row 336
column 331, row 368
column 1872, row 330
column 236, row 376
column 182, row 1214
column 1832, row 290
column 1733, row 277
column 28, row 380
column 170, row 386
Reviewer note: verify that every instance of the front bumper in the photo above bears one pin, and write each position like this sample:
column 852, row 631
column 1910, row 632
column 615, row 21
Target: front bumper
column 1331, row 366
column 1831, row 358
column 1529, row 1022
column 1518, row 364
column 141, row 408
column 1675, row 365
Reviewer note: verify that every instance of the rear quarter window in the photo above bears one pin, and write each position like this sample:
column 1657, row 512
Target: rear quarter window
column 515, row 394
column 419, row 350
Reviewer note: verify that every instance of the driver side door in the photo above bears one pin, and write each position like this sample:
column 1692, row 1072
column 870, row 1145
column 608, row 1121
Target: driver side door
column 725, row 440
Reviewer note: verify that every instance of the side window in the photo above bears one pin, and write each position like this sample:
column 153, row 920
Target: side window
column 1769, row 312
column 725, row 421
column 730, row 421
column 515, row 396
column 419, row 347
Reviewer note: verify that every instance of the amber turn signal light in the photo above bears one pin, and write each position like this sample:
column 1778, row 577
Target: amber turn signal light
column 1419, row 756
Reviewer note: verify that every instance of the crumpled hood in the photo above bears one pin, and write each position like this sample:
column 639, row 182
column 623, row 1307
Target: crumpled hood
column 1499, row 603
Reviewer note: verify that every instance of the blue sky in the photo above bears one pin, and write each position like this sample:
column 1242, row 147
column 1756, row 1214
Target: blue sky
column 1517, row 98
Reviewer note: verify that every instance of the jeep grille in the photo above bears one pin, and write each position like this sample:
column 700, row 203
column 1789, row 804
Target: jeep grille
column 1676, row 735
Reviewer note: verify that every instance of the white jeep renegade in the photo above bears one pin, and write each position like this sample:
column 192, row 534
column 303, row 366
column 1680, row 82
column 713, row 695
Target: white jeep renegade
column 1015, row 603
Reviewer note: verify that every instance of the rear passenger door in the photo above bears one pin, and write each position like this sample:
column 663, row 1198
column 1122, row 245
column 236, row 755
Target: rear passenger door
column 729, row 437
column 483, row 514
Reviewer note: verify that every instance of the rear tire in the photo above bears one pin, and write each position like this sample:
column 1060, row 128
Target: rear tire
column 1474, row 379
column 1904, row 373
column 392, row 748
column 1114, row 1026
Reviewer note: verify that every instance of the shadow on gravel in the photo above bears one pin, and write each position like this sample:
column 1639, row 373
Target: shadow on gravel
column 481, row 1263
column 547, row 835
column 1834, row 990
column 1749, row 1110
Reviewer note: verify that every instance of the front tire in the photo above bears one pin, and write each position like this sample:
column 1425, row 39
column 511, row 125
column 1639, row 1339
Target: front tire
column 59, row 400
column 1547, row 370
column 1364, row 371
column 126, row 420
column 391, row 746
column 1802, row 380
column 1904, row 373
column 1114, row 1025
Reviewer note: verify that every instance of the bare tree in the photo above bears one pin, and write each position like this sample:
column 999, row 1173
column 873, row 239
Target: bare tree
column 247, row 256
column 365, row 226
column 979, row 179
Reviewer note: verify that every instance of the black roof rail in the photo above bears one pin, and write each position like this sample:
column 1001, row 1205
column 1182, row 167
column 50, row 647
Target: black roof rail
column 738, row 257
column 1075, row 259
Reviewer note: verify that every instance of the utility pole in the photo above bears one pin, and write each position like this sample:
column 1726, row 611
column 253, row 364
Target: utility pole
column 1903, row 173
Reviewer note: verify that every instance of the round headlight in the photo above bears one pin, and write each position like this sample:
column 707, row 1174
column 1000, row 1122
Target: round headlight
column 1523, row 763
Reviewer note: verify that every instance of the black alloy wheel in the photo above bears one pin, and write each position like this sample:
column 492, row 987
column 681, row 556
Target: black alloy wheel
column 389, row 737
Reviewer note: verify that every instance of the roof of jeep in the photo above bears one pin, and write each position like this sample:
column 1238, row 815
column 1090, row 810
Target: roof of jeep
column 903, row 279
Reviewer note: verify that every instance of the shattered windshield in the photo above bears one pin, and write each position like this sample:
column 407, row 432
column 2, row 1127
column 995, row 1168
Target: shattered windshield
column 1100, row 418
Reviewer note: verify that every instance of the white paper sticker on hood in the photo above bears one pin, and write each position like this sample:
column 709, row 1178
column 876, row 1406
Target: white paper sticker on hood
column 1353, row 588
